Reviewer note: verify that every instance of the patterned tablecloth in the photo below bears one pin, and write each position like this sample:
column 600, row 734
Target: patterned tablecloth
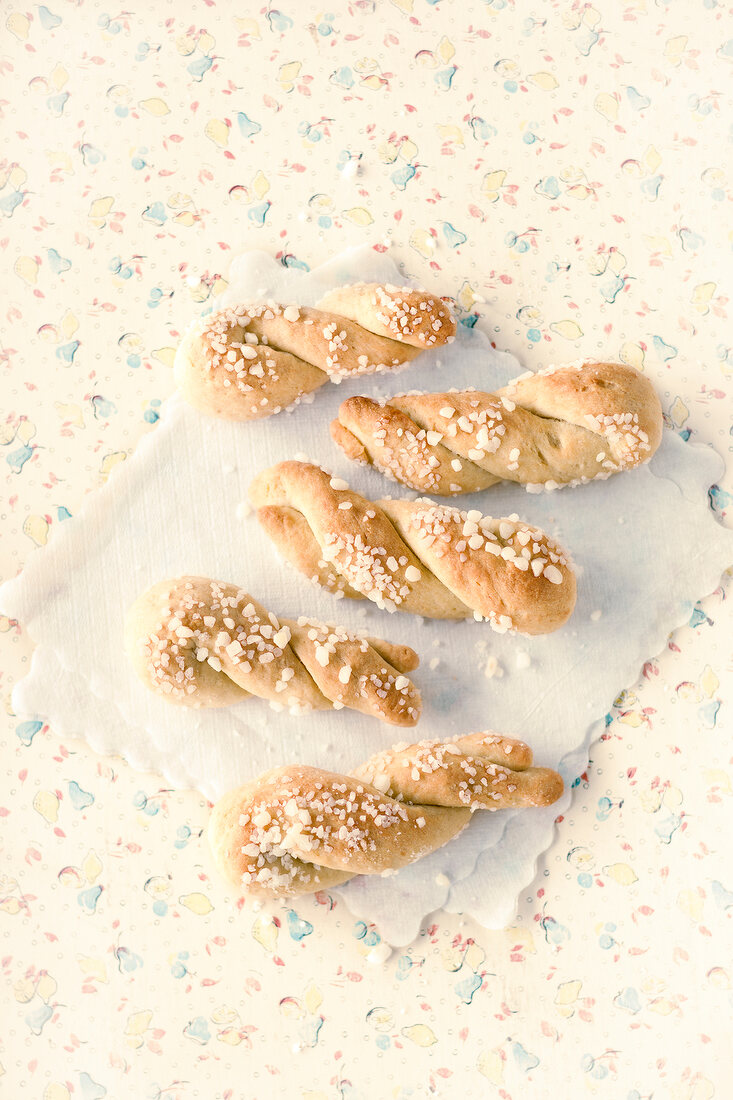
column 562, row 171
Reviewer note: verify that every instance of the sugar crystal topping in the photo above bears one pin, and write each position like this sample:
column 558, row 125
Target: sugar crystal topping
column 252, row 347
column 499, row 436
column 406, row 313
column 300, row 818
column 442, row 533
column 219, row 626
column 326, row 817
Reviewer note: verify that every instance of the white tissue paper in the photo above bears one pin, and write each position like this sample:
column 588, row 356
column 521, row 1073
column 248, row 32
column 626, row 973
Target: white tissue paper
column 645, row 543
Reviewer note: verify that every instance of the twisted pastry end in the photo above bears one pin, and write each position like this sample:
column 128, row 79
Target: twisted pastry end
column 561, row 426
column 204, row 643
column 298, row 829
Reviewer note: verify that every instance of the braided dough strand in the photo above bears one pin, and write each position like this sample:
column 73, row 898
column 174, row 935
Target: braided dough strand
column 415, row 556
column 204, row 643
column 298, row 829
column 561, row 426
column 246, row 362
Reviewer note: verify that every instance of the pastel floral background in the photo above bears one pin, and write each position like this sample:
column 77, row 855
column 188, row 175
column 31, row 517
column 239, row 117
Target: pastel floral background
column 564, row 172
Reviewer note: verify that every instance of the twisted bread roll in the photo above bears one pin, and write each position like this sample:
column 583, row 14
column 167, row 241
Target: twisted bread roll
column 415, row 556
column 298, row 829
column 204, row 643
column 248, row 362
column 562, row 426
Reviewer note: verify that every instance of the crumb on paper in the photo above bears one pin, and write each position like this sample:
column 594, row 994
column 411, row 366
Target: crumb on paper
column 379, row 954
column 492, row 668
column 244, row 509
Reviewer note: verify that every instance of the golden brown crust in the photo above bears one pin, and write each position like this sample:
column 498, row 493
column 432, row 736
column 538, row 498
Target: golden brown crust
column 215, row 388
column 248, row 362
column 289, row 530
column 203, row 643
column 415, row 556
column 351, row 536
column 400, row 313
column 561, row 426
column 226, row 840
column 478, row 770
column 352, row 447
column 486, row 583
column 400, row 657
column 297, row 829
